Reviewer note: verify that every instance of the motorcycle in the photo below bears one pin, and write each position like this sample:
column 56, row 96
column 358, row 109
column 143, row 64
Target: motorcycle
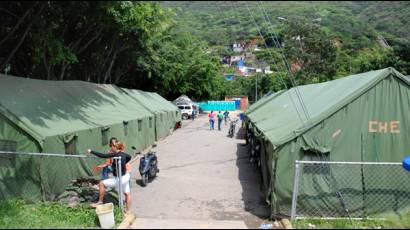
column 249, row 136
column 255, row 156
column 232, row 127
column 148, row 167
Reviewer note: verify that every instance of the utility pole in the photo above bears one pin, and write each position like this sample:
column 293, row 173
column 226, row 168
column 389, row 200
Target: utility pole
column 256, row 87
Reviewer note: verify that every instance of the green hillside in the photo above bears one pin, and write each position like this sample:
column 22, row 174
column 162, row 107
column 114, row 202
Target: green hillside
column 220, row 21
column 142, row 45
column 340, row 38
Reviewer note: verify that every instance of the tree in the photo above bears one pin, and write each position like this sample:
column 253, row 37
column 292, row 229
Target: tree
column 179, row 61
column 94, row 41
column 310, row 51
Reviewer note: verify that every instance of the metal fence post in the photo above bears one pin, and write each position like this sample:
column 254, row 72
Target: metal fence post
column 120, row 192
column 295, row 189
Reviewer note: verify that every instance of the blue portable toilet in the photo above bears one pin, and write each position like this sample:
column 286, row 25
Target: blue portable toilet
column 238, row 104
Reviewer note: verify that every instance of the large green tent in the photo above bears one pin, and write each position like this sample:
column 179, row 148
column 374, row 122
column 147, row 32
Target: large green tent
column 173, row 110
column 62, row 117
column 339, row 120
column 166, row 114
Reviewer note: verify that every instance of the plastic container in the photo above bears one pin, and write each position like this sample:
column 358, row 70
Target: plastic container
column 406, row 163
column 105, row 214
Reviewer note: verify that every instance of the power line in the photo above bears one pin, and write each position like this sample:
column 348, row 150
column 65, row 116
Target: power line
column 276, row 66
column 273, row 60
column 275, row 39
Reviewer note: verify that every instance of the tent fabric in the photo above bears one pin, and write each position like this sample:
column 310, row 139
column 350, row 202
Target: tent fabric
column 64, row 107
column 183, row 100
column 262, row 101
column 165, row 113
column 66, row 117
column 347, row 120
column 320, row 100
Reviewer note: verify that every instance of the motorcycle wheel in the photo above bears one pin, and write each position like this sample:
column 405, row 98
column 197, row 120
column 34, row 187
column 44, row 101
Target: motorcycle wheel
column 153, row 172
column 144, row 180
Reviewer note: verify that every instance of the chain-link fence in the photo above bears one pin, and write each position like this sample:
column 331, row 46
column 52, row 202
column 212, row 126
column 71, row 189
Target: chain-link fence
column 51, row 177
column 353, row 190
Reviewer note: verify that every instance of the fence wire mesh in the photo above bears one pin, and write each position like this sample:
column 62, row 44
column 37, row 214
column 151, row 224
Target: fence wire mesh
column 353, row 190
column 50, row 177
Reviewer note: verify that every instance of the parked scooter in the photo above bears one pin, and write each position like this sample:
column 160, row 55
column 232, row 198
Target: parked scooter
column 249, row 136
column 232, row 127
column 255, row 155
column 148, row 167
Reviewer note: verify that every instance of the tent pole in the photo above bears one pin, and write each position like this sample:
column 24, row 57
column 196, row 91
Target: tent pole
column 295, row 190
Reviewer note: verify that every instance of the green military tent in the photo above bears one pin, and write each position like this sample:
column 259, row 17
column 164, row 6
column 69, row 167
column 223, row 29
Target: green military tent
column 62, row 117
column 363, row 117
column 173, row 110
column 166, row 114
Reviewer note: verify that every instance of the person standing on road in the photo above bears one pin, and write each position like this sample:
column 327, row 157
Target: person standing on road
column 193, row 115
column 226, row 115
column 211, row 120
column 220, row 118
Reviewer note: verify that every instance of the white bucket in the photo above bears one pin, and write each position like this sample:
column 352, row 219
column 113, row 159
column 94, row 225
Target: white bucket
column 105, row 214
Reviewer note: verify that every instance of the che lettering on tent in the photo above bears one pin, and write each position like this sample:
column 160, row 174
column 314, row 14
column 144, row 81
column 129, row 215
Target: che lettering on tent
column 384, row 127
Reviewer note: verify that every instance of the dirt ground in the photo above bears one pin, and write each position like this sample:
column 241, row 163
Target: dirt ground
column 205, row 181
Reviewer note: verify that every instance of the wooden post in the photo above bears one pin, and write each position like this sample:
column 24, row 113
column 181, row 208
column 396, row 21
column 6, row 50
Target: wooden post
column 286, row 224
column 128, row 220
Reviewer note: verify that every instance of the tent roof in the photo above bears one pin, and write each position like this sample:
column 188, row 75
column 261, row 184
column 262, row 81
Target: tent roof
column 262, row 101
column 49, row 108
column 152, row 101
column 183, row 100
column 167, row 104
column 280, row 122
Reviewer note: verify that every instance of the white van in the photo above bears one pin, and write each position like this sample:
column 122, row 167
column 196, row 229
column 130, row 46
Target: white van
column 186, row 110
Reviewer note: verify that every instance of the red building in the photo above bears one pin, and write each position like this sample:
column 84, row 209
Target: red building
column 241, row 101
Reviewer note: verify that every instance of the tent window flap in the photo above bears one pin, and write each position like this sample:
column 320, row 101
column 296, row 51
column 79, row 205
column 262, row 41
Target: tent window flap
column 71, row 147
column 139, row 125
column 8, row 146
column 316, row 168
column 104, row 136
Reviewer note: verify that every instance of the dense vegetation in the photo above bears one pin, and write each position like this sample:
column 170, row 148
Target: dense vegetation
column 173, row 48
column 131, row 44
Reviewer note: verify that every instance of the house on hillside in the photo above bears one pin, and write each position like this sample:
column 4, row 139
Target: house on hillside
column 229, row 77
column 238, row 47
column 226, row 60
column 253, row 43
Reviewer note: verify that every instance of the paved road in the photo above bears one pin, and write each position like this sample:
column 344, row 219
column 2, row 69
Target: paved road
column 205, row 181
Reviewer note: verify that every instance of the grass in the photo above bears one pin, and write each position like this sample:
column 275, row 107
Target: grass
column 338, row 224
column 390, row 222
column 18, row 214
